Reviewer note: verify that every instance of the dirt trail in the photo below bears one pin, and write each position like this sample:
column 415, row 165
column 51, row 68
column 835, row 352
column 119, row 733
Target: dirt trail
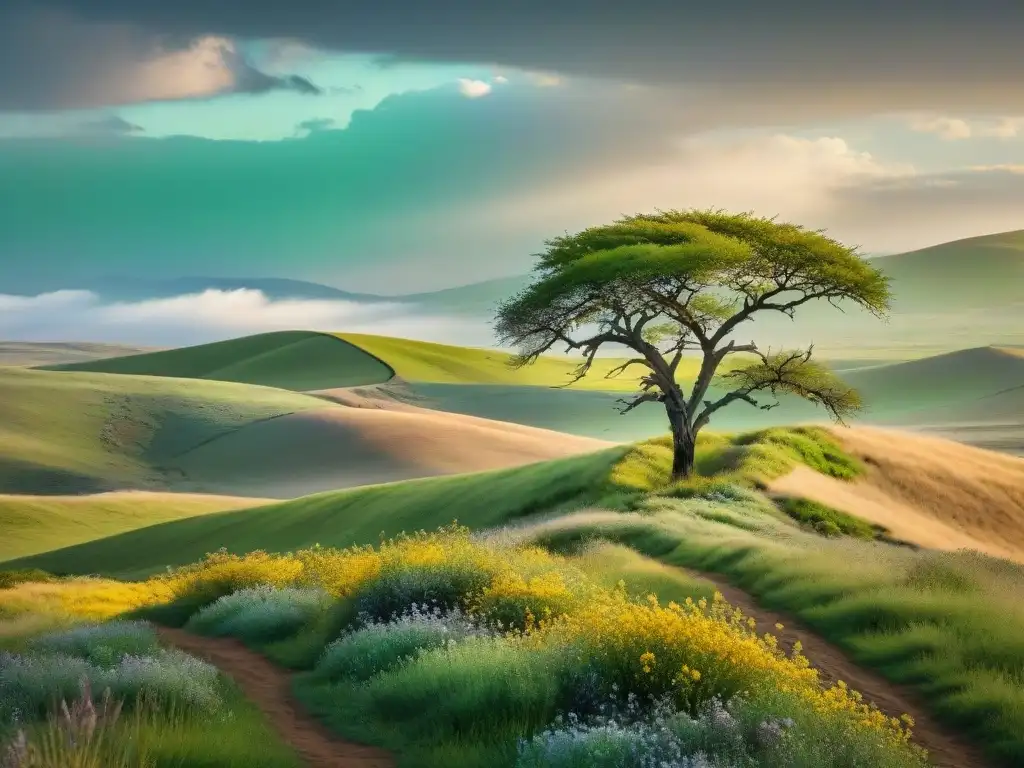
column 944, row 749
column 269, row 688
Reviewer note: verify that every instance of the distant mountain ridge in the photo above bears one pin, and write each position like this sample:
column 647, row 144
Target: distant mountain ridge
column 982, row 272
column 473, row 299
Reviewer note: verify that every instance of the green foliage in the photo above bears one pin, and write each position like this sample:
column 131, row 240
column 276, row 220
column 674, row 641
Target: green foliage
column 949, row 625
column 261, row 614
column 15, row 577
column 93, row 731
column 101, row 644
column 828, row 521
column 663, row 284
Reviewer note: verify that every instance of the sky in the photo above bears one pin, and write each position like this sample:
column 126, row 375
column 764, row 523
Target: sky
column 402, row 146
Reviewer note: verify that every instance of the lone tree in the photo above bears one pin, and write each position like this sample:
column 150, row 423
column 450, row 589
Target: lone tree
column 675, row 282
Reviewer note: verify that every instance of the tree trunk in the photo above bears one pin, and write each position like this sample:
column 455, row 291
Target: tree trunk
column 683, row 443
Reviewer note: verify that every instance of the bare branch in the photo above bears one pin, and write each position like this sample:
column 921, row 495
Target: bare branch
column 619, row 369
column 645, row 397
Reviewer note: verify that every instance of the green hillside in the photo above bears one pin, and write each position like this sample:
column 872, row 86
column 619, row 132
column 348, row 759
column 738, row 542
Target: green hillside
column 69, row 433
column 338, row 518
column 975, row 272
column 971, row 384
column 478, row 500
column 430, row 363
column 32, row 524
column 296, row 360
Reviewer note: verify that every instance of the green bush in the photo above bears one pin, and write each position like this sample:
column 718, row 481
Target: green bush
column 828, row 521
column 13, row 578
column 379, row 647
column 260, row 614
column 400, row 586
column 103, row 645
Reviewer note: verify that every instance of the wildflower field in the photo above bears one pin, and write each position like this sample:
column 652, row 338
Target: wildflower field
column 106, row 695
column 457, row 650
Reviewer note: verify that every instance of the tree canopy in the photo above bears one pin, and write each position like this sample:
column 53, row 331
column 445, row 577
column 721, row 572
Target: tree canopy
column 673, row 282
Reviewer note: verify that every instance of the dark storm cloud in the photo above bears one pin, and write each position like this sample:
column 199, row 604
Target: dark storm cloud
column 51, row 58
column 915, row 53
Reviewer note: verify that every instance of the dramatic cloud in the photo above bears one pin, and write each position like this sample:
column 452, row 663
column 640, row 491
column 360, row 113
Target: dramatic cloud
column 431, row 188
column 52, row 60
column 213, row 316
column 830, row 57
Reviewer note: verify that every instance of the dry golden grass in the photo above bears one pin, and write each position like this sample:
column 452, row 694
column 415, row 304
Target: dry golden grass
column 931, row 492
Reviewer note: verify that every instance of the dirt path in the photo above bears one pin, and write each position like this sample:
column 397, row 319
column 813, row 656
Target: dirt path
column 269, row 688
column 944, row 749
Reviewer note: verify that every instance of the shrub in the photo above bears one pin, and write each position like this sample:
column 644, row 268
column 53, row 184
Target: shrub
column 512, row 601
column 15, row 577
column 260, row 614
column 377, row 647
column 222, row 573
column 30, row 684
column 101, row 644
column 485, row 689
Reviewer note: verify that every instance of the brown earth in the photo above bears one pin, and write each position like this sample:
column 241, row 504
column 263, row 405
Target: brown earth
column 928, row 491
column 269, row 688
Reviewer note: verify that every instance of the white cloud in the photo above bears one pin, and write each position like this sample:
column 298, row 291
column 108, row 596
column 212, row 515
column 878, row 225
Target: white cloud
column 955, row 128
column 500, row 79
column 791, row 176
column 473, row 89
column 214, row 315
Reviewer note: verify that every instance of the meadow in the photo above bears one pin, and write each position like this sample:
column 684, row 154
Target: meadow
column 495, row 623
column 522, row 656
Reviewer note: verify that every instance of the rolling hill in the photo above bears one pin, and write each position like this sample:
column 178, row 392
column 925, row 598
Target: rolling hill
column 74, row 432
column 972, row 386
column 908, row 484
column 32, row 524
column 977, row 272
column 295, row 360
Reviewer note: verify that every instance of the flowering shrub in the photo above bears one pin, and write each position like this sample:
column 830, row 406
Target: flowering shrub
column 379, row 646
column 222, row 573
column 262, row 613
column 30, row 684
column 101, row 644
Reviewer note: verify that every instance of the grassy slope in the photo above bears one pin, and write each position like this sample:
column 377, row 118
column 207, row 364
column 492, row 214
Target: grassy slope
column 89, row 432
column 297, row 360
column 421, row 361
column 479, row 500
column 339, row 518
column 974, row 272
column 961, row 378
column 33, row 524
